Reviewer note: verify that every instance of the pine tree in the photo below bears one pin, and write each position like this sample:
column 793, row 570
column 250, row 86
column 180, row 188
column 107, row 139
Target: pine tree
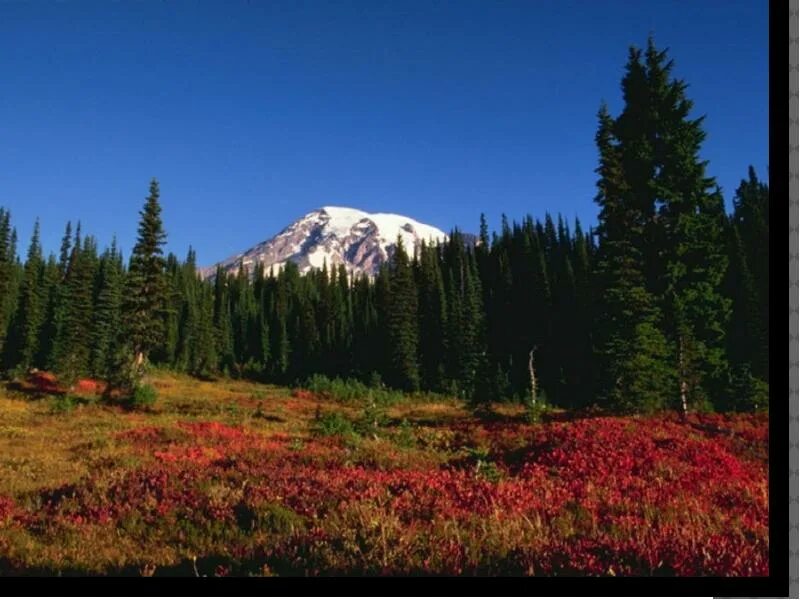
column 432, row 319
column 58, row 343
column 262, row 348
column 75, row 335
column 581, row 357
column 178, row 294
column 691, row 222
column 7, row 264
column 632, row 354
column 402, row 323
column 107, row 327
column 145, row 286
column 751, row 220
column 66, row 250
column 51, row 284
column 24, row 338
column 203, row 358
column 745, row 343
column 282, row 344
column 368, row 351
column 474, row 365
column 222, row 321
column 244, row 320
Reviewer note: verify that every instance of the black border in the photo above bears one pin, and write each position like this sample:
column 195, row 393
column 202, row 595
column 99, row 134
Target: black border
column 774, row 586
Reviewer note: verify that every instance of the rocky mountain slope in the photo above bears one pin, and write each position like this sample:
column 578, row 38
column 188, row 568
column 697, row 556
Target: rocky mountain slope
column 335, row 235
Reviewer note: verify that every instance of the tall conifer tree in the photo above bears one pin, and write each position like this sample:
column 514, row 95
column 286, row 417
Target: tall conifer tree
column 24, row 339
column 146, row 285
column 402, row 322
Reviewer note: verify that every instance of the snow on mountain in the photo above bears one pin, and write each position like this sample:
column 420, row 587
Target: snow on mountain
column 335, row 235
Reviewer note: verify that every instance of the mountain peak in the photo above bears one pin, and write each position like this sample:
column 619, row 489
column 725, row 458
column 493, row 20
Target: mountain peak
column 335, row 235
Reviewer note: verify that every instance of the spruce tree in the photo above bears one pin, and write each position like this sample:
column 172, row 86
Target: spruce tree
column 145, row 287
column 51, row 283
column 635, row 372
column 751, row 221
column 66, row 250
column 432, row 319
column 24, row 338
column 7, row 264
column 244, row 320
column 75, row 335
column 178, row 293
column 401, row 323
column 222, row 321
column 107, row 320
column 690, row 232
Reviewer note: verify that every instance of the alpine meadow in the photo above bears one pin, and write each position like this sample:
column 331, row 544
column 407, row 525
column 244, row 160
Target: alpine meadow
column 365, row 394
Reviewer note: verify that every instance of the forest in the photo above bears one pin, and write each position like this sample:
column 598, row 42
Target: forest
column 662, row 304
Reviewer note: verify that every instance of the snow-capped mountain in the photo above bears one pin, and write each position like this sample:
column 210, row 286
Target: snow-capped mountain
column 335, row 235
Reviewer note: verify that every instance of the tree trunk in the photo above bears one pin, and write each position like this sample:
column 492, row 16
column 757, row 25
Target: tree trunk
column 684, row 386
column 533, row 379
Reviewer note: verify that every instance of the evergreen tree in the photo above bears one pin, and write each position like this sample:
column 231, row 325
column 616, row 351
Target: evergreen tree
column 244, row 320
column 145, row 286
column 23, row 344
column 7, row 267
column 74, row 338
column 203, row 355
column 691, row 223
column 432, row 319
column 52, row 288
column 178, row 295
column 222, row 321
column 403, row 371
column 66, row 250
column 751, row 221
column 632, row 354
column 57, row 342
column 107, row 322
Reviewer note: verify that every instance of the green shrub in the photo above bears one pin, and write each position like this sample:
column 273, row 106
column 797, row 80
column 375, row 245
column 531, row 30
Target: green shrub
column 373, row 417
column 405, row 437
column 276, row 518
column 143, row 396
column 747, row 393
column 334, row 424
column 63, row 404
column 351, row 390
column 270, row 518
column 17, row 373
column 484, row 468
column 375, row 380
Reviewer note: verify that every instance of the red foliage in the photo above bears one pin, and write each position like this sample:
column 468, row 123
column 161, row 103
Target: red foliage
column 7, row 508
column 634, row 496
column 303, row 394
column 89, row 386
column 44, row 382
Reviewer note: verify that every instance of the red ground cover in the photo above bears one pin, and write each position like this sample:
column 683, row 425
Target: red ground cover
column 44, row 382
column 621, row 496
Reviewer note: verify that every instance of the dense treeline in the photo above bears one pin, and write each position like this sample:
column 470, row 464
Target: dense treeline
column 665, row 304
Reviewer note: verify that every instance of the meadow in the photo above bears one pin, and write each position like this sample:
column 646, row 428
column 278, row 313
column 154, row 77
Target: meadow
column 232, row 478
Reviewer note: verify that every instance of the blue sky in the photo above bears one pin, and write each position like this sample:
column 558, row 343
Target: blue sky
column 252, row 114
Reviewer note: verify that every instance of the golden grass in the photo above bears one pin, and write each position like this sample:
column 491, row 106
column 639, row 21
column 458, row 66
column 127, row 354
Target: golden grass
column 41, row 446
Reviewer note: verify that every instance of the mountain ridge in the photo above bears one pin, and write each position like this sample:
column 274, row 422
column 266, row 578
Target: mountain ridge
column 334, row 235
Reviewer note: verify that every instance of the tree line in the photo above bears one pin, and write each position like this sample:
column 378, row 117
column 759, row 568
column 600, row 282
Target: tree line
column 663, row 305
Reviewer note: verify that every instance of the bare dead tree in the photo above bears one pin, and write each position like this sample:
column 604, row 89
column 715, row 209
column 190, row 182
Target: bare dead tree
column 684, row 386
column 533, row 377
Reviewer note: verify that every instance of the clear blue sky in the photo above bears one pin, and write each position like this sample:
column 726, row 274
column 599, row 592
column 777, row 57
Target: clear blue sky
column 252, row 114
